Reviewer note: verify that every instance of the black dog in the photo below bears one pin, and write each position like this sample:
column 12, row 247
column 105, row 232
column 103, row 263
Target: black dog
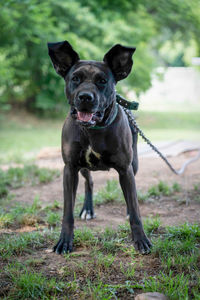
column 96, row 134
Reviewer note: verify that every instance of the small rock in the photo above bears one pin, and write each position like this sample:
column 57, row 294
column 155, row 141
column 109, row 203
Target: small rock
column 151, row 296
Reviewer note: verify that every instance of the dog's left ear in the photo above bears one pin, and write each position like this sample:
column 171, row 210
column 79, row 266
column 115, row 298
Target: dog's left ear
column 63, row 57
column 119, row 59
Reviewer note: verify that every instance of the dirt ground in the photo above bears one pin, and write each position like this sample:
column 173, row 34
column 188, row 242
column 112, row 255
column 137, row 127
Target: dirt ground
column 151, row 171
column 172, row 210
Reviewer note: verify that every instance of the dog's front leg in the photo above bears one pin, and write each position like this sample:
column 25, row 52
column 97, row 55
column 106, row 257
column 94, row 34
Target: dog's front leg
column 127, row 182
column 70, row 182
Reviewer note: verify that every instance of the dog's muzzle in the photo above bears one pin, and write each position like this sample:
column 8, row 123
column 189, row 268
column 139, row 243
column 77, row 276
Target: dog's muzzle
column 85, row 109
column 86, row 119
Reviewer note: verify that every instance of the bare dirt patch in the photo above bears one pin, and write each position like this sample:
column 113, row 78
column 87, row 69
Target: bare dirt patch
column 151, row 171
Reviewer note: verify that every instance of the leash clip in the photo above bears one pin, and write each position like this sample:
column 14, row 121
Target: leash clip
column 127, row 104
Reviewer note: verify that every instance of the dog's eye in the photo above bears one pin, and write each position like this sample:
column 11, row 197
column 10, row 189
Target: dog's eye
column 102, row 81
column 75, row 79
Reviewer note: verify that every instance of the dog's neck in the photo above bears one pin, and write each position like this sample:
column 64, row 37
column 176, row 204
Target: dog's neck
column 109, row 116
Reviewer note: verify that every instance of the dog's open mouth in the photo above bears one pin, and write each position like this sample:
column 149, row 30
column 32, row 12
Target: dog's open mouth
column 84, row 116
column 87, row 119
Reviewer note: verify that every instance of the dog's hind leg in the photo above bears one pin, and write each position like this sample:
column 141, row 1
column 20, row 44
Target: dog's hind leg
column 87, row 211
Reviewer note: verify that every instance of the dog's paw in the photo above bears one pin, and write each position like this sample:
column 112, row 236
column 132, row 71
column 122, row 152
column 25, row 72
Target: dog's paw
column 63, row 246
column 87, row 214
column 143, row 245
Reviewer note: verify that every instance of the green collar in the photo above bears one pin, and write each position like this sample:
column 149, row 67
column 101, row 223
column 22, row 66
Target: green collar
column 110, row 121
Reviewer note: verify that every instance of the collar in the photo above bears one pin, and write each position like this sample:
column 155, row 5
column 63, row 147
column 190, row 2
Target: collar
column 110, row 121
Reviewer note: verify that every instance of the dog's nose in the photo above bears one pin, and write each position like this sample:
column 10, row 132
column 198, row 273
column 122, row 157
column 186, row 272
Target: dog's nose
column 86, row 97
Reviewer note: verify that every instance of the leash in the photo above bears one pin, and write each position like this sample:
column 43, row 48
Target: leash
column 134, row 106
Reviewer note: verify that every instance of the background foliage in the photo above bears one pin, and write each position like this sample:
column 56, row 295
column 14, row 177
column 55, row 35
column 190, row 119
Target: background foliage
column 164, row 32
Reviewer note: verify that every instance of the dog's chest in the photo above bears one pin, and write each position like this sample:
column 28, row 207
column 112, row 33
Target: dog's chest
column 93, row 160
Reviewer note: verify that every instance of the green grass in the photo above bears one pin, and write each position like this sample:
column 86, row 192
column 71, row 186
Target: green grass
column 24, row 243
column 23, row 136
column 28, row 175
column 163, row 189
column 110, row 193
column 98, row 274
column 53, row 219
column 21, row 141
column 18, row 215
column 31, row 285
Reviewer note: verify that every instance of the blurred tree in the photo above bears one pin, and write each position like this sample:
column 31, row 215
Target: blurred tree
column 92, row 27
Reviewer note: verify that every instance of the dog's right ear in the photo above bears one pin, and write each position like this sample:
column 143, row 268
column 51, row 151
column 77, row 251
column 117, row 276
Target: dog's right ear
column 63, row 57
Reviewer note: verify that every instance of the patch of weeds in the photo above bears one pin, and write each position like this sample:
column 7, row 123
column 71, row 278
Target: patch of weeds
column 163, row 189
column 34, row 262
column 129, row 271
column 160, row 189
column 25, row 242
column 153, row 191
column 3, row 189
column 176, row 187
column 6, row 219
column 98, row 290
column 181, row 263
column 173, row 286
column 108, row 234
column 124, row 231
column 73, row 286
column 151, row 225
column 30, row 174
column 84, row 237
column 52, row 207
column 184, row 231
column 103, row 262
column 110, row 193
column 112, row 246
column 196, row 187
column 109, row 241
column 27, row 214
column 178, row 250
column 52, row 219
column 31, row 285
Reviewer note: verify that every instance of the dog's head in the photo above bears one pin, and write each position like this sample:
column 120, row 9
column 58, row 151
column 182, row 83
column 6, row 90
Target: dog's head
column 90, row 85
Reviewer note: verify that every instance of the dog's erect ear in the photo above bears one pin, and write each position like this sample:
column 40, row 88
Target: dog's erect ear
column 119, row 59
column 63, row 57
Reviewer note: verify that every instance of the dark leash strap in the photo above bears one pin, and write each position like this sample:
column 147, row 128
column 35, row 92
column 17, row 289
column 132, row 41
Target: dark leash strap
column 126, row 104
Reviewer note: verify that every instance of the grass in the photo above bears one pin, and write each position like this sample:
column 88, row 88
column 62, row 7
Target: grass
column 31, row 285
column 108, row 194
column 24, row 243
column 18, row 215
column 100, row 274
column 104, row 264
column 27, row 175
column 24, row 135
column 112, row 193
column 21, row 141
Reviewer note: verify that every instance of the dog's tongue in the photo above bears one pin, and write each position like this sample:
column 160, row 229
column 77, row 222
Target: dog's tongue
column 84, row 116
